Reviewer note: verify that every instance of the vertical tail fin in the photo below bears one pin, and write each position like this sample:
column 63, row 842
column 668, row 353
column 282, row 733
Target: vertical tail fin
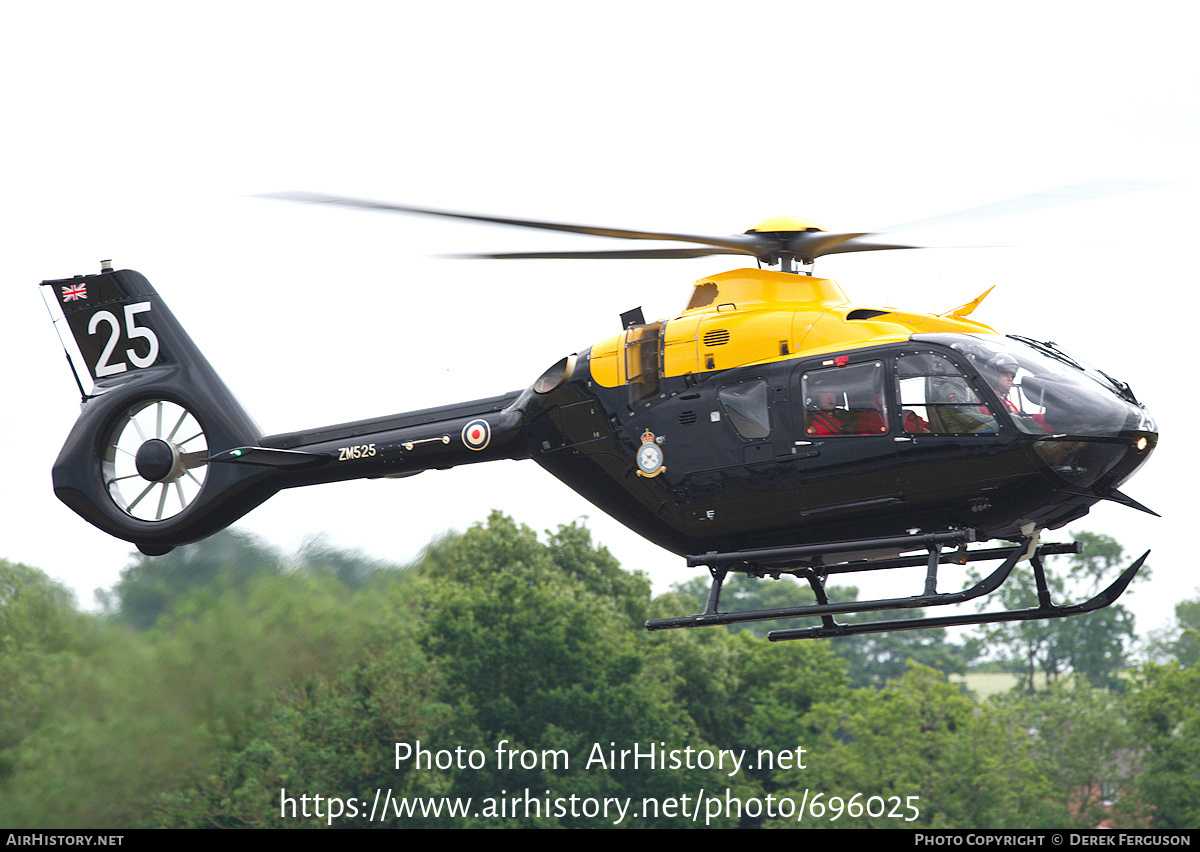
column 136, row 462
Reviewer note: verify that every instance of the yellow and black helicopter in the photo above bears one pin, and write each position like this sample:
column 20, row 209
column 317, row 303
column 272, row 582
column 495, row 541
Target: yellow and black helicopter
column 772, row 428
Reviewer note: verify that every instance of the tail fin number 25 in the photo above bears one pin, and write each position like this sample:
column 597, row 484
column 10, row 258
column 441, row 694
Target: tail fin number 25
column 105, row 366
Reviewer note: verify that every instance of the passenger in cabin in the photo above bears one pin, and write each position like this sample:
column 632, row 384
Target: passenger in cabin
column 875, row 420
column 824, row 417
column 915, row 424
column 872, row 421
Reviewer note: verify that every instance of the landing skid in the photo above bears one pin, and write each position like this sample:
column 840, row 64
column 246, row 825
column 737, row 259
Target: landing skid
column 816, row 563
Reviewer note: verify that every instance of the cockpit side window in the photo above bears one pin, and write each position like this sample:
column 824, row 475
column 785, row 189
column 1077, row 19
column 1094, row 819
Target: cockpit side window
column 845, row 400
column 937, row 399
column 1041, row 391
column 748, row 408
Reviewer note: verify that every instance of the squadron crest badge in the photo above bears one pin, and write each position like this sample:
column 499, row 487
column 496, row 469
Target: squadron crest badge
column 649, row 456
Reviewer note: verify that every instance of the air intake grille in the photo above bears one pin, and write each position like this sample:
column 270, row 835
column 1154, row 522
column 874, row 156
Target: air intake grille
column 716, row 337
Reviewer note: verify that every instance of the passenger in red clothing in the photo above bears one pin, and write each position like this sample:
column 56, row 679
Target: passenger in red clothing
column 825, row 420
column 872, row 421
column 914, row 424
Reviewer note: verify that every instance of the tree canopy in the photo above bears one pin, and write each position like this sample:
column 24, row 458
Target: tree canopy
column 1094, row 646
column 229, row 686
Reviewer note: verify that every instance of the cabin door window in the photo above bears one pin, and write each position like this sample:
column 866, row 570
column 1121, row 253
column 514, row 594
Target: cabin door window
column 937, row 399
column 845, row 400
column 748, row 408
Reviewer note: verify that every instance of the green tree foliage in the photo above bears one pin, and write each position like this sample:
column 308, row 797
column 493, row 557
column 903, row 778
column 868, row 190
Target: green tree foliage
column 41, row 637
column 1094, row 646
column 872, row 659
column 223, row 697
column 329, row 731
column 135, row 718
column 151, row 584
column 1187, row 645
column 920, row 736
column 1086, row 748
column 1164, row 709
column 743, row 693
column 540, row 648
column 1181, row 639
column 352, row 568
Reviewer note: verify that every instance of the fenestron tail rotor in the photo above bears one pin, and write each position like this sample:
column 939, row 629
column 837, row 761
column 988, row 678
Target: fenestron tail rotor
column 156, row 460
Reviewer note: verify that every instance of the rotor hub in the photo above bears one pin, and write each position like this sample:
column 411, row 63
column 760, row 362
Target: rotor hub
column 156, row 460
column 784, row 224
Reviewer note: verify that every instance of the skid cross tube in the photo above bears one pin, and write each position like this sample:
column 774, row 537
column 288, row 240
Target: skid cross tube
column 796, row 555
column 958, row 557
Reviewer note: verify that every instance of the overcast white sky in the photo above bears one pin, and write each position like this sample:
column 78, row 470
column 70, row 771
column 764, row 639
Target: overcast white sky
column 138, row 132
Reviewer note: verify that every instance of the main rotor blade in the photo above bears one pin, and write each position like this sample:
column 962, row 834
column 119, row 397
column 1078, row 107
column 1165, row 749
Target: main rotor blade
column 810, row 245
column 618, row 254
column 802, row 250
column 740, row 243
column 861, row 245
column 1070, row 194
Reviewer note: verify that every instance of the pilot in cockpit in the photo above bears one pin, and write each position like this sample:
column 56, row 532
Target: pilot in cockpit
column 1002, row 372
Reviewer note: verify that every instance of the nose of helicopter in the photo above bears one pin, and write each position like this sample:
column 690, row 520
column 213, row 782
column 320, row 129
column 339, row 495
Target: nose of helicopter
column 1143, row 442
column 1105, row 455
column 1089, row 429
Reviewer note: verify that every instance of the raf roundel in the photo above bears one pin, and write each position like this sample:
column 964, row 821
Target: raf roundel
column 476, row 434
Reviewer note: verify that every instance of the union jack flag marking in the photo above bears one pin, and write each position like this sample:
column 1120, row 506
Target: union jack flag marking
column 72, row 292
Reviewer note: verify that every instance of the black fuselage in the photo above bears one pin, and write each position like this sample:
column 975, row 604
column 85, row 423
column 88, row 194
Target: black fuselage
column 719, row 490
